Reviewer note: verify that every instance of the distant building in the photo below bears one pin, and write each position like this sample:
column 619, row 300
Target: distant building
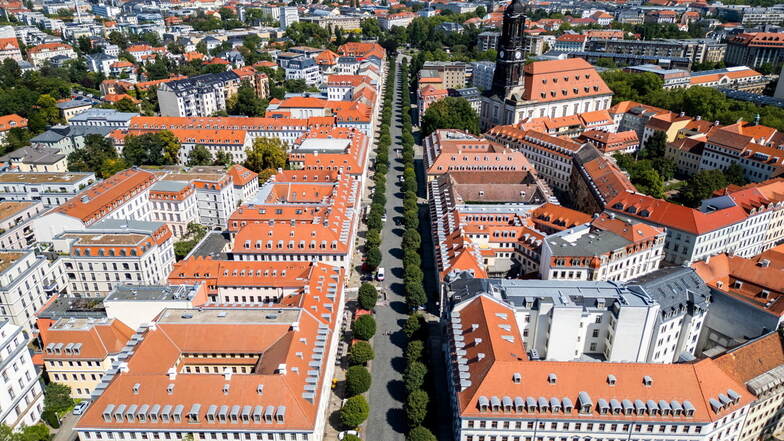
column 202, row 95
column 488, row 40
column 304, row 69
column 23, row 279
column 287, row 16
column 50, row 188
column 755, row 49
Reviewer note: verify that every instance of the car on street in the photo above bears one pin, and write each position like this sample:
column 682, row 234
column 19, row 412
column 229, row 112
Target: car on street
column 342, row 435
column 383, row 218
column 81, row 407
column 380, row 274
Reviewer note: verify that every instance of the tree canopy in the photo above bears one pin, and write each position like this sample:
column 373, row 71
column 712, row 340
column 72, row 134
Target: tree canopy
column 354, row 412
column 364, row 327
column 266, row 153
column 450, row 113
column 360, row 353
column 357, row 380
column 157, row 148
column 98, row 156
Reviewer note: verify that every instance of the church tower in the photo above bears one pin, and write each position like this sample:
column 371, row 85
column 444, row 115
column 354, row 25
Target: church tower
column 511, row 51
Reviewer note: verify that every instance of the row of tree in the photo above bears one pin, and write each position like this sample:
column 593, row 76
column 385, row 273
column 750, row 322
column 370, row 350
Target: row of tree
column 358, row 380
column 412, row 263
column 417, row 400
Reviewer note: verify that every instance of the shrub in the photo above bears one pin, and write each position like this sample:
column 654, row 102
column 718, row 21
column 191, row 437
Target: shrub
column 350, row 437
column 367, row 296
column 51, row 419
column 360, row 353
column 416, row 407
column 354, row 412
column 364, row 328
column 357, row 380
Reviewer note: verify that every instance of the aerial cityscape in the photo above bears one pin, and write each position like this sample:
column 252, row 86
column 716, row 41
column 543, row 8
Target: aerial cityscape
column 392, row 220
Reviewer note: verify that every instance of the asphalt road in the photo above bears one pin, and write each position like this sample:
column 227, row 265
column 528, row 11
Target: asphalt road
column 66, row 432
column 387, row 421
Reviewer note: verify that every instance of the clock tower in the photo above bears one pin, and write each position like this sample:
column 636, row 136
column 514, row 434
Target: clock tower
column 511, row 51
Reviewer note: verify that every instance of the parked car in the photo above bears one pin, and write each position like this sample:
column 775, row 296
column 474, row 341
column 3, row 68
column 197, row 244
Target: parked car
column 342, row 435
column 380, row 274
column 81, row 407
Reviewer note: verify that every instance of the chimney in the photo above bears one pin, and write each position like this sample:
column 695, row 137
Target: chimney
column 282, row 369
column 172, row 374
column 480, row 356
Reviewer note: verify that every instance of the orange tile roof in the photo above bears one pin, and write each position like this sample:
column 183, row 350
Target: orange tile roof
column 721, row 272
column 99, row 339
column 758, row 39
column 9, row 43
column 558, row 218
column 230, row 122
column 46, row 47
column 98, row 201
column 610, row 181
column 492, row 325
column 675, row 216
column 241, row 175
column 753, row 358
column 12, row 121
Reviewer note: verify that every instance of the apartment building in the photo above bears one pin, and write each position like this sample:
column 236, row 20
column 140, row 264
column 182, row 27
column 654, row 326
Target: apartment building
column 115, row 252
column 453, row 75
column 174, row 203
column 9, row 48
column 611, row 143
column 745, row 293
column 497, row 391
column 21, row 394
column 304, row 69
column 757, row 365
column 79, row 351
column 695, row 50
column 52, row 189
column 736, row 77
column 138, row 305
column 125, row 195
column 299, row 215
column 231, row 282
column 744, row 223
column 651, row 320
column 16, row 231
column 23, row 282
column 448, row 150
column 285, row 129
column 551, row 156
column 39, row 54
column 332, row 148
column 201, row 95
column 755, row 49
column 755, row 148
column 261, row 372
column 246, row 182
column 214, row 188
column 607, row 248
column 596, row 180
column 483, row 222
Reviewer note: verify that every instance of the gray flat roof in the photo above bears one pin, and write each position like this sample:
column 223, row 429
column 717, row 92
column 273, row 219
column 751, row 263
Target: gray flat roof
column 152, row 293
column 173, row 186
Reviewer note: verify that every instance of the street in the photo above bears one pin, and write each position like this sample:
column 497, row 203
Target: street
column 387, row 421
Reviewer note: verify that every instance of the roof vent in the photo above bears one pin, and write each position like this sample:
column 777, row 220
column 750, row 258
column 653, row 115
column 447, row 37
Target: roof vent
column 647, row 380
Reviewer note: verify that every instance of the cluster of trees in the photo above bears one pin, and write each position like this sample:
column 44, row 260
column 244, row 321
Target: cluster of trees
column 414, row 377
column 193, row 235
column 37, row 432
column 706, row 102
column 227, row 20
column 356, row 409
column 155, row 148
column 450, row 113
column 650, row 169
column 201, row 156
column 98, row 155
column 374, row 224
column 412, row 262
column 265, row 157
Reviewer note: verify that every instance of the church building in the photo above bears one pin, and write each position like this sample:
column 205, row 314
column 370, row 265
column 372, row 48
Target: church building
column 553, row 88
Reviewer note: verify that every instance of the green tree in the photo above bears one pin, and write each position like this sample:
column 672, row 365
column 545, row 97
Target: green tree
column 650, row 183
column 126, row 105
column 360, row 353
column 735, row 175
column 357, row 380
column 372, row 258
column 450, row 113
column 266, row 153
column 656, row 145
column 416, row 407
column 354, row 412
column 57, row 397
column 413, row 325
column 411, row 239
column 665, row 167
column 295, row 86
column 157, row 148
column 17, row 137
column 199, row 156
column 364, row 327
column 701, row 186
column 223, row 158
column 36, row 432
column 350, row 437
column 98, row 156
column 246, row 103
column 415, row 296
column 367, row 296
column 44, row 114
column 414, row 350
column 420, row 433
column 414, row 375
